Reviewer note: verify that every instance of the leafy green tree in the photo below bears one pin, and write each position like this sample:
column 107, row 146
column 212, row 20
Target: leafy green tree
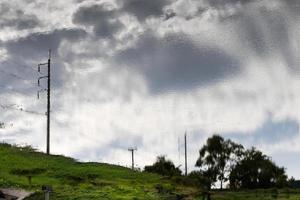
column 256, row 170
column 163, row 167
column 217, row 157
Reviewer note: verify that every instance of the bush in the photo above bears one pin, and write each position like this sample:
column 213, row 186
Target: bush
column 29, row 173
column 163, row 167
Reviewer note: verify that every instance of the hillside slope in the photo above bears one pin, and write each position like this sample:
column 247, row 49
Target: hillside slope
column 28, row 169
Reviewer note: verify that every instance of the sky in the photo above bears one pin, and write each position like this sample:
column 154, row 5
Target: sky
column 141, row 73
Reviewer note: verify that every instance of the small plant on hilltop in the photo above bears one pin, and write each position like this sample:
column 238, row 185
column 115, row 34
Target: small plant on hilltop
column 29, row 173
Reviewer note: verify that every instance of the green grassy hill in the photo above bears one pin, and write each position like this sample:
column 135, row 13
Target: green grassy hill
column 74, row 180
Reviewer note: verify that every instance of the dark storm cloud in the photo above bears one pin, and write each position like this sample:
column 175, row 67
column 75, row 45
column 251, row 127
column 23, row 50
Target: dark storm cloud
column 10, row 17
column 145, row 8
column 176, row 63
column 102, row 17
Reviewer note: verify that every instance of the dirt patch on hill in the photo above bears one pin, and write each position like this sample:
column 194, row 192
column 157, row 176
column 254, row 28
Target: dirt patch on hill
column 14, row 194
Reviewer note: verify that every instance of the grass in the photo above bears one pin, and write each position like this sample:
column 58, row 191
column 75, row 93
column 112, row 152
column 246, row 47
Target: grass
column 72, row 180
column 81, row 181
column 259, row 194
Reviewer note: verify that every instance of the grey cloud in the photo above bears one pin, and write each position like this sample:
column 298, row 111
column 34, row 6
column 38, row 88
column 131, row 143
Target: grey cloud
column 221, row 3
column 268, row 34
column 106, row 30
column 270, row 132
column 294, row 6
column 27, row 52
column 35, row 45
column 145, row 8
column 176, row 63
column 102, row 17
column 262, row 29
column 90, row 15
column 169, row 14
column 126, row 142
column 10, row 17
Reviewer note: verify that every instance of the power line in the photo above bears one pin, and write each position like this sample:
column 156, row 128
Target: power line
column 19, row 108
column 13, row 75
column 10, row 90
column 18, row 64
column 18, row 77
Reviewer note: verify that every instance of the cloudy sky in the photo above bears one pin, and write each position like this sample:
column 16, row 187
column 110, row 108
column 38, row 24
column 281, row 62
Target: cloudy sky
column 141, row 73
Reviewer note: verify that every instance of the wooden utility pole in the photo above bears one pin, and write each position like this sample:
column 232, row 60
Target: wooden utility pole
column 48, row 77
column 132, row 156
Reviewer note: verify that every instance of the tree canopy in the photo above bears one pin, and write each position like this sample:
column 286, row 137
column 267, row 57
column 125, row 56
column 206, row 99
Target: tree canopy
column 217, row 156
column 163, row 167
column 224, row 160
column 256, row 170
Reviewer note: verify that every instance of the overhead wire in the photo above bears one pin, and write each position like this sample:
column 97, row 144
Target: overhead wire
column 19, row 108
column 18, row 64
column 18, row 77
column 8, row 89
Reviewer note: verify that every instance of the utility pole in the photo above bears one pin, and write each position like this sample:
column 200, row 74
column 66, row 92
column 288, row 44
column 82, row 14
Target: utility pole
column 48, row 77
column 132, row 156
column 179, row 161
column 185, row 153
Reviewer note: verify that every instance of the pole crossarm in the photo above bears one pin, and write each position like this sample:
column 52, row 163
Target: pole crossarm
column 42, row 77
column 40, row 65
column 40, row 91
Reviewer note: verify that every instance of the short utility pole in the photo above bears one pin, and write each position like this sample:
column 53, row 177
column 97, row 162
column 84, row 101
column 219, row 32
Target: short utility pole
column 132, row 156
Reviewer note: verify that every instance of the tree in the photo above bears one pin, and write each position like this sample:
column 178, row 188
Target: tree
column 256, row 170
column 217, row 157
column 163, row 167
